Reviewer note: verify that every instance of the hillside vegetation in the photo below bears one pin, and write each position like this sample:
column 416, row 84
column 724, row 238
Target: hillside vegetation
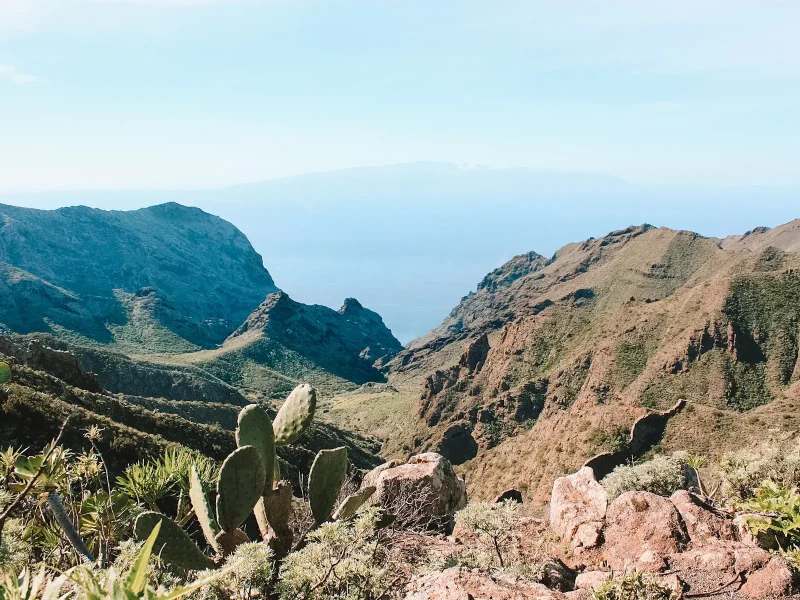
column 550, row 361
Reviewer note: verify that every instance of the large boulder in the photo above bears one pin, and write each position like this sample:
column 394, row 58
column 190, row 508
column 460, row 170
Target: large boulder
column 703, row 524
column 460, row 584
column 425, row 492
column 642, row 530
column 578, row 509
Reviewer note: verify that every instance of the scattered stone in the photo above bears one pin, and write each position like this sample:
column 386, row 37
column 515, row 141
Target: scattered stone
column 642, row 530
column 558, row 576
column 578, row 508
column 591, row 580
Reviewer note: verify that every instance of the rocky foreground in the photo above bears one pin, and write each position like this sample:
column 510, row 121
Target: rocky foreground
column 687, row 545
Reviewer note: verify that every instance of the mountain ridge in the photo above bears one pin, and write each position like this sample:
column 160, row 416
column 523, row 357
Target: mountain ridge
column 175, row 281
column 523, row 382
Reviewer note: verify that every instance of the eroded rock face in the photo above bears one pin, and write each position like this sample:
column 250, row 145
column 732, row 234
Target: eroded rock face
column 426, row 485
column 578, row 509
column 460, row 584
column 642, row 530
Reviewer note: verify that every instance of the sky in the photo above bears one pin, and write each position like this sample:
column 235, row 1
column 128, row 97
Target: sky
column 193, row 94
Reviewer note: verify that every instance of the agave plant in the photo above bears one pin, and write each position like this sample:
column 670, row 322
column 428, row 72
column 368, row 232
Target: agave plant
column 49, row 474
column 26, row 586
column 93, row 586
column 148, row 482
column 103, row 520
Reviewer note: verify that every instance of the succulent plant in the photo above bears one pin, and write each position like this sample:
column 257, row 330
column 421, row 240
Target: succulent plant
column 249, row 481
column 173, row 544
column 295, row 415
column 240, row 485
column 5, row 372
column 325, row 481
column 245, row 485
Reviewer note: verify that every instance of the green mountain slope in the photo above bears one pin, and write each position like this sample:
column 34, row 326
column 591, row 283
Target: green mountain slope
column 159, row 278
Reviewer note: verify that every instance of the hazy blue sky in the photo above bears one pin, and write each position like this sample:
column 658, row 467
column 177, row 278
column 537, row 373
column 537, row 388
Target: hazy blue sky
column 191, row 93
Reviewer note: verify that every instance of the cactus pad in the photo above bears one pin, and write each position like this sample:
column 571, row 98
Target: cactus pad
column 5, row 372
column 255, row 429
column 295, row 415
column 276, row 509
column 240, row 485
column 202, row 510
column 352, row 503
column 325, row 482
column 173, row 543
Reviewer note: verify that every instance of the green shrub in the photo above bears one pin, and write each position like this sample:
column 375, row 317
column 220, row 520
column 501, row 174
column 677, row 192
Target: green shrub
column 777, row 508
column 663, row 475
column 249, row 572
column 342, row 560
column 744, row 471
column 494, row 526
column 15, row 550
column 634, row 586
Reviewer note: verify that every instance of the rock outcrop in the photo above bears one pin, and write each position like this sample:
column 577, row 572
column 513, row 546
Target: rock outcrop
column 645, row 532
column 425, row 492
column 642, row 530
column 578, row 507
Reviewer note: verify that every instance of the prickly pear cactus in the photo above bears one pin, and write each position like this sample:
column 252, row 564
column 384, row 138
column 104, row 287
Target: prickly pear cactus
column 325, row 481
column 349, row 507
column 240, row 485
column 202, row 510
column 173, row 544
column 5, row 372
column 295, row 415
column 255, row 429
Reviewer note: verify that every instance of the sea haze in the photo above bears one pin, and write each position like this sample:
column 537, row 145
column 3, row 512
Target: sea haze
column 410, row 240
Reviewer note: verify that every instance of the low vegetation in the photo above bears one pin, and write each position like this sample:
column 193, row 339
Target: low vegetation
column 663, row 475
column 634, row 586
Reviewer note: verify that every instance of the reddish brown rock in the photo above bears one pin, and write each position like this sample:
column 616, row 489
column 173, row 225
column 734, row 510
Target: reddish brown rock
column 591, row 580
column 427, row 484
column 642, row 529
column 702, row 524
column 460, row 584
column 775, row 579
column 578, row 508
